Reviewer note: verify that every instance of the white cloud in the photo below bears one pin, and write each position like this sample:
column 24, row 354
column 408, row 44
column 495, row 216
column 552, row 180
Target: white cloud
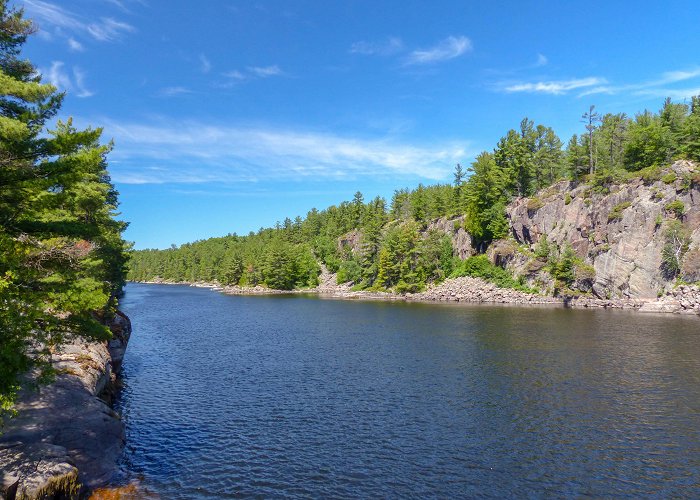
column 653, row 88
column 235, row 75
column 79, row 87
column 173, row 91
column 108, row 29
column 205, row 64
column 51, row 15
column 387, row 47
column 555, row 87
column 59, row 77
column 541, row 61
column 661, row 86
column 449, row 48
column 199, row 153
column 75, row 45
column 265, row 71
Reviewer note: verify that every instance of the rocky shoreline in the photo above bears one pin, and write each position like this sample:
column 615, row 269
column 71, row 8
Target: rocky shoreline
column 684, row 299
column 66, row 439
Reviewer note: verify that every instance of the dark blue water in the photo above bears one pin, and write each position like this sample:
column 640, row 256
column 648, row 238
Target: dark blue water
column 290, row 396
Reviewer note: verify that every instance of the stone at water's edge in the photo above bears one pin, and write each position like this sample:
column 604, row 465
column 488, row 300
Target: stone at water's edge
column 65, row 438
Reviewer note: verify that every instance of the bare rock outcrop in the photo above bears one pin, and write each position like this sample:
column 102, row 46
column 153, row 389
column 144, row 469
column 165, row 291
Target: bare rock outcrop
column 65, row 437
column 622, row 233
column 461, row 240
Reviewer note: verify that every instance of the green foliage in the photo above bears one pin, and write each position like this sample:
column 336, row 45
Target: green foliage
column 349, row 271
column 62, row 258
column 564, row 268
column 650, row 175
column 534, row 203
column 486, row 198
column 669, row 178
column 676, row 207
column 650, row 143
column 479, row 266
column 676, row 243
column 390, row 248
column 543, row 249
column 616, row 212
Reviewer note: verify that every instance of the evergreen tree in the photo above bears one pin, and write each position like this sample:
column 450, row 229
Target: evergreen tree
column 591, row 118
column 62, row 258
column 486, row 199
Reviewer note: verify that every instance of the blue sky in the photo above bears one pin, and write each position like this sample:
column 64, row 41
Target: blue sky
column 231, row 115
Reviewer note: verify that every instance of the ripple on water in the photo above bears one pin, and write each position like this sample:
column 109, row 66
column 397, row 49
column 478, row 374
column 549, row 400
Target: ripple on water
column 299, row 397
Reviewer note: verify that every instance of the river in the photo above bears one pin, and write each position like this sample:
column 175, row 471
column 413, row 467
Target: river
column 295, row 396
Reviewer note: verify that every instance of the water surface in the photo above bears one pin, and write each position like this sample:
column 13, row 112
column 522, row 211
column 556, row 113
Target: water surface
column 229, row 396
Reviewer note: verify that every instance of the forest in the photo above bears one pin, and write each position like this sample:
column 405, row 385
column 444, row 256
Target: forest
column 62, row 257
column 391, row 246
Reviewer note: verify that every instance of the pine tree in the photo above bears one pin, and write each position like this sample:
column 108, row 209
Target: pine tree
column 62, row 258
column 590, row 118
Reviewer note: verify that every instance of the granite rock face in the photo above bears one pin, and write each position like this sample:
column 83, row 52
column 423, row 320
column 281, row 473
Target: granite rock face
column 621, row 234
column 461, row 239
column 65, row 438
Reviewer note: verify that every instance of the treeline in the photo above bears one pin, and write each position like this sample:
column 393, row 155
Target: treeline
column 62, row 257
column 384, row 246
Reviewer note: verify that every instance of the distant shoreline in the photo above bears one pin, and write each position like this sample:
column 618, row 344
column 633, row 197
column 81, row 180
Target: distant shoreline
column 683, row 300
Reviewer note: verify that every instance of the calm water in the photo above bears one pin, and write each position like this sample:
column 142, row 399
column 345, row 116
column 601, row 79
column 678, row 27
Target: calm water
column 291, row 396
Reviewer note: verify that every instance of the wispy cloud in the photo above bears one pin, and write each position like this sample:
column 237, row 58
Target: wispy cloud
column 654, row 88
column 541, row 61
column 235, row 77
column 265, row 71
column 449, row 48
column 47, row 14
column 199, row 153
column 75, row 45
column 204, row 64
column 662, row 86
column 174, row 91
column 59, row 77
column 555, row 87
column 108, row 29
column 390, row 46
column 118, row 3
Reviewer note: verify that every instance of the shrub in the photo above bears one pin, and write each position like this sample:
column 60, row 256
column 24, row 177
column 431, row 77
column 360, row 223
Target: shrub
column 657, row 194
column 563, row 269
column 650, row 175
column 676, row 208
column 567, row 199
column 479, row 266
column 542, row 250
column 534, row 203
column 669, row 178
column 676, row 242
column 349, row 270
column 616, row 212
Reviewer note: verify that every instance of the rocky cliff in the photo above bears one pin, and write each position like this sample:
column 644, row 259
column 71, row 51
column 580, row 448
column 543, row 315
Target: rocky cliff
column 621, row 231
column 66, row 438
